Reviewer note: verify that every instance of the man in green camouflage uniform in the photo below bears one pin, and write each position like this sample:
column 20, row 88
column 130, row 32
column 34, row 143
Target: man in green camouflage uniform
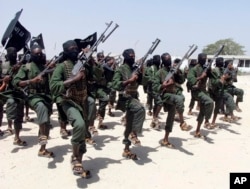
column 171, row 101
column 217, row 92
column 126, row 80
column 197, row 78
column 192, row 63
column 71, row 93
column 109, row 69
column 14, row 103
column 38, row 94
column 97, row 87
column 149, row 75
column 230, row 88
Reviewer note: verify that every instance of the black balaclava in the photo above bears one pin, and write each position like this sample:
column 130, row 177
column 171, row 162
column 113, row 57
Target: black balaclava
column 192, row 63
column 129, row 56
column 177, row 61
column 11, row 54
column 149, row 62
column 219, row 62
column 157, row 60
column 37, row 55
column 70, row 50
column 100, row 56
column 202, row 58
column 166, row 60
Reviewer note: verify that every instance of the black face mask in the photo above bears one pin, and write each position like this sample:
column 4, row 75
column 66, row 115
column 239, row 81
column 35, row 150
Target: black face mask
column 130, row 61
column 38, row 58
column 202, row 61
column 12, row 57
column 157, row 64
column 72, row 55
column 167, row 63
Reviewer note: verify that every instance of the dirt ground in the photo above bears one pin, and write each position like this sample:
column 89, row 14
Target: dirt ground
column 194, row 163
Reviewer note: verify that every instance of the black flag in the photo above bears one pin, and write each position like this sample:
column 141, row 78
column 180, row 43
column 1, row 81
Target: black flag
column 37, row 40
column 16, row 35
column 83, row 43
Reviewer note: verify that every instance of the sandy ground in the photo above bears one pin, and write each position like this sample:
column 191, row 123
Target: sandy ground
column 195, row 163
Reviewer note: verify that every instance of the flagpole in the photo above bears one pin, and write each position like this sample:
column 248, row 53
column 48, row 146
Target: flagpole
column 6, row 42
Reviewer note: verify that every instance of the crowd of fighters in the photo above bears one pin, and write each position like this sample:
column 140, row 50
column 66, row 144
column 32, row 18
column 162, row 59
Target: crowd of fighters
column 38, row 85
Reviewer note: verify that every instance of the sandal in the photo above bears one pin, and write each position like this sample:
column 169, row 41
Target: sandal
column 199, row 135
column 64, row 133
column 155, row 124
column 43, row 140
column 46, row 153
column 133, row 138
column 129, row 155
column 90, row 141
column 149, row 113
column 28, row 119
column 235, row 118
column 76, row 166
column 238, row 109
column 227, row 119
column 78, row 169
column 9, row 131
column 93, row 130
column 209, row 126
column 167, row 144
column 185, row 127
column 19, row 142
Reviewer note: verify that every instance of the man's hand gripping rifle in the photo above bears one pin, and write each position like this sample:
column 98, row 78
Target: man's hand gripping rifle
column 168, row 79
column 49, row 68
column 209, row 65
column 144, row 58
column 85, row 56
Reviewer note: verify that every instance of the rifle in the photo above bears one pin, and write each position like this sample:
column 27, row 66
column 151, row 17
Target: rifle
column 191, row 50
column 48, row 69
column 50, row 65
column 85, row 57
column 144, row 58
column 208, row 67
column 213, row 59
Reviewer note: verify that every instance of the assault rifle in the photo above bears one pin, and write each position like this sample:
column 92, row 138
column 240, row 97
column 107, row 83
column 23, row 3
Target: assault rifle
column 51, row 64
column 191, row 50
column 144, row 58
column 48, row 69
column 210, row 63
column 85, row 57
column 208, row 67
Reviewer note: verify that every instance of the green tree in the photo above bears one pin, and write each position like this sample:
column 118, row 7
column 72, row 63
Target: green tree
column 230, row 48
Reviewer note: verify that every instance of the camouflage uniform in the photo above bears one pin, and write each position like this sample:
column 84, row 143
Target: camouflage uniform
column 73, row 100
column 231, row 89
column 171, row 101
column 200, row 93
column 135, row 112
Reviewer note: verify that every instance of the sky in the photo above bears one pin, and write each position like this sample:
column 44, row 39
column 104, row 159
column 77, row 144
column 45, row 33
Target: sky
column 177, row 23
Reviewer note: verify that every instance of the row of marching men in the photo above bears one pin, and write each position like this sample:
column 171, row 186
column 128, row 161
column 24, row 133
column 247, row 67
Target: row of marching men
column 75, row 97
